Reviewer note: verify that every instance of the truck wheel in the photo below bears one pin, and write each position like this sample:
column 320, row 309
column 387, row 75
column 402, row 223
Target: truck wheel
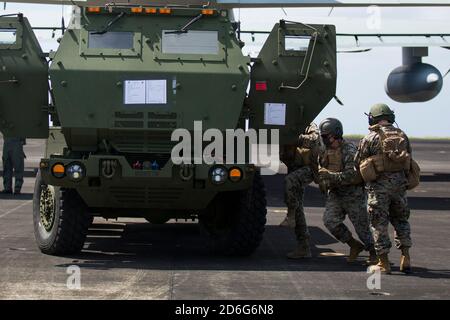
column 235, row 221
column 60, row 218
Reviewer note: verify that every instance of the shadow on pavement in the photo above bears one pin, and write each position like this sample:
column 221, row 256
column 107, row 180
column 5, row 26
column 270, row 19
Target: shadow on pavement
column 22, row 196
column 177, row 246
column 428, row 273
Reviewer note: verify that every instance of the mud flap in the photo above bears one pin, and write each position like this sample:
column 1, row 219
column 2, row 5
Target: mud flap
column 293, row 78
column 23, row 81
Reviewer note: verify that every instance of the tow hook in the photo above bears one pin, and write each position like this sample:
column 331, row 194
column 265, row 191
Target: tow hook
column 186, row 171
column 109, row 168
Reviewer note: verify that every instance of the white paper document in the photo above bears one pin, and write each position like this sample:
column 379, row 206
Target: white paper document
column 145, row 92
column 156, row 92
column 135, row 92
column 275, row 114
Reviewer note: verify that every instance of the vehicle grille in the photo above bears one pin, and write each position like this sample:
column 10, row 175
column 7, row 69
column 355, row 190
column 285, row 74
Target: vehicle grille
column 154, row 136
column 142, row 141
column 146, row 195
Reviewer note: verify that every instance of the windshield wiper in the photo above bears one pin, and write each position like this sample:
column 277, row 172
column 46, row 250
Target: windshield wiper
column 185, row 28
column 110, row 24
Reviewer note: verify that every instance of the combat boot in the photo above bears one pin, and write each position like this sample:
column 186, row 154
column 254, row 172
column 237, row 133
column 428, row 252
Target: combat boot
column 373, row 259
column 302, row 251
column 382, row 266
column 355, row 249
column 289, row 221
column 405, row 261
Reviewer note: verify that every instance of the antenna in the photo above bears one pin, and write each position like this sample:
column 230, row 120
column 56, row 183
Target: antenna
column 63, row 24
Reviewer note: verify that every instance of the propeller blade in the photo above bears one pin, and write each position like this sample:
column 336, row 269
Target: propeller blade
column 354, row 51
column 338, row 100
column 446, row 74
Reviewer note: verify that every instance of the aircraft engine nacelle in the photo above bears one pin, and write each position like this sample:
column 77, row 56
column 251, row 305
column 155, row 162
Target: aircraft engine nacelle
column 414, row 81
column 418, row 82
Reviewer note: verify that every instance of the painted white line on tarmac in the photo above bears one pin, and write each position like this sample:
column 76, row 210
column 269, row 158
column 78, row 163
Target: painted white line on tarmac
column 16, row 208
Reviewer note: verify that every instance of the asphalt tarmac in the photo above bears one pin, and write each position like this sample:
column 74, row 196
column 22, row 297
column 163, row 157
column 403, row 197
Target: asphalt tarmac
column 132, row 259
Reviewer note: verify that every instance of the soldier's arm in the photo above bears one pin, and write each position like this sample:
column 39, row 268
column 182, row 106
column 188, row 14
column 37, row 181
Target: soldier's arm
column 361, row 153
column 308, row 141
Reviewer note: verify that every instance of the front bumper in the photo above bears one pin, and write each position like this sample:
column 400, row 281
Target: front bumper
column 128, row 188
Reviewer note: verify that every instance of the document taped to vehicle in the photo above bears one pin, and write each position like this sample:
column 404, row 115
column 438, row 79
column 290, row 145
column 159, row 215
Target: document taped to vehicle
column 275, row 114
column 145, row 92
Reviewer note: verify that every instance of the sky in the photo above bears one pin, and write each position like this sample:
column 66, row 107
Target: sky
column 361, row 76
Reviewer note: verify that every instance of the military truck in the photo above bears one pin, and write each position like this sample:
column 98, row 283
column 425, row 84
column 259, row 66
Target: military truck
column 123, row 78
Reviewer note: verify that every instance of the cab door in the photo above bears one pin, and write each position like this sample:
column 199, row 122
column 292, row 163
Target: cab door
column 293, row 78
column 23, row 81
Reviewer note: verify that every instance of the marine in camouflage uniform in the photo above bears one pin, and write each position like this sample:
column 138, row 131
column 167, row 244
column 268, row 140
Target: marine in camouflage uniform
column 13, row 164
column 344, row 190
column 302, row 170
column 387, row 201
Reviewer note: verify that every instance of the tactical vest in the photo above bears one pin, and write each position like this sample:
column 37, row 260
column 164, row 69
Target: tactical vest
column 332, row 160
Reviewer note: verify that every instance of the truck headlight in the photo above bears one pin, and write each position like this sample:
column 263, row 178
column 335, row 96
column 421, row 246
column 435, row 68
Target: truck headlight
column 219, row 175
column 75, row 172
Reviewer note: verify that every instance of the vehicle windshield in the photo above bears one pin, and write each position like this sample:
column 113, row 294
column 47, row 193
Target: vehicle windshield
column 111, row 40
column 191, row 42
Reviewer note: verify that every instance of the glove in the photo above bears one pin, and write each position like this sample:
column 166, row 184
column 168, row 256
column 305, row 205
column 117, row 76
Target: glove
column 325, row 174
column 327, row 179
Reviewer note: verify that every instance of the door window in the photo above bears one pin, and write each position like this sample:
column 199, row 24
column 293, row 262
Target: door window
column 8, row 36
column 296, row 43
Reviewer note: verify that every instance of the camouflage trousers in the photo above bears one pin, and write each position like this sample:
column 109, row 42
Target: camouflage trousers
column 295, row 183
column 352, row 203
column 13, row 163
column 387, row 202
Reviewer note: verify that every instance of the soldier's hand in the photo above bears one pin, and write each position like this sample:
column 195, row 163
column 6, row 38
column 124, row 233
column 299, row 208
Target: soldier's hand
column 325, row 174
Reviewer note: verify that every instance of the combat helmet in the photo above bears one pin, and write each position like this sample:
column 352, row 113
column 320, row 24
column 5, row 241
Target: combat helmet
column 331, row 126
column 380, row 111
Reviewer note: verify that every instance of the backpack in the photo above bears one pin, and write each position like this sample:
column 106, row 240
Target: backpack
column 394, row 156
column 394, row 150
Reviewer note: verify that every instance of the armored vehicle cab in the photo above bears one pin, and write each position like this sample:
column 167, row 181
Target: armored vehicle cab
column 122, row 81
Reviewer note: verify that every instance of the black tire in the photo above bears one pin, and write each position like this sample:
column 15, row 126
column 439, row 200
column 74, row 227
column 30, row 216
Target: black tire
column 235, row 221
column 64, row 233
